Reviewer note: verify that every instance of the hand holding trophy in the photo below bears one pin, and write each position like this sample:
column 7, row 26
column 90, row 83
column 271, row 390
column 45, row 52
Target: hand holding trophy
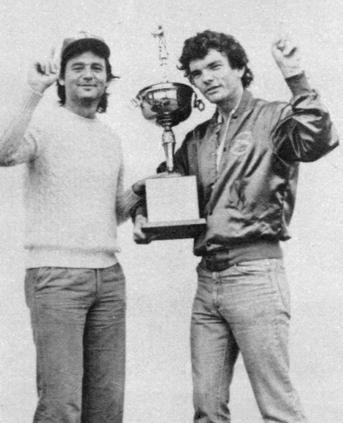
column 172, row 203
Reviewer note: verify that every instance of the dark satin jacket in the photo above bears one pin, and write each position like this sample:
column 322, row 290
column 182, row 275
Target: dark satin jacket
column 251, row 196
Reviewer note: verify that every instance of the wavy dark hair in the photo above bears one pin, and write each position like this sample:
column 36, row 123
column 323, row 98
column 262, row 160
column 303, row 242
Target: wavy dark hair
column 197, row 47
column 77, row 50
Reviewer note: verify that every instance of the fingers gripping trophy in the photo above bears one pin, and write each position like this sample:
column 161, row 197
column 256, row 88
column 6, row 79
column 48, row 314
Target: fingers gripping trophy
column 172, row 202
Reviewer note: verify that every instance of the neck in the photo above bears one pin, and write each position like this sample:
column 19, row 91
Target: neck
column 226, row 106
column 86, row 109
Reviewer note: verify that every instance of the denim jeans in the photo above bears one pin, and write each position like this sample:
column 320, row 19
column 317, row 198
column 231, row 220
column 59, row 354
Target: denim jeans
column 78, row 322
column 245, row 308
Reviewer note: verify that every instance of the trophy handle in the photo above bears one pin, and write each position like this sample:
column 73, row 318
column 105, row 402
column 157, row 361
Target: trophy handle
column 198, row 103
column 136, row 102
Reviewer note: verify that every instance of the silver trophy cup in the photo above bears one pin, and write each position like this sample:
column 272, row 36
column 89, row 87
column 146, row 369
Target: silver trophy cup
column 172, row 202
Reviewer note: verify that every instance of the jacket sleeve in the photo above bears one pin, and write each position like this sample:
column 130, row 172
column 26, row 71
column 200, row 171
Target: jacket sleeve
column 304, row 131
column 18, row 142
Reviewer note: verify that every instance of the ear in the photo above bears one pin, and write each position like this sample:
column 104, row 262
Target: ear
column 61, row 81
column 241, row 71
column 107, row 83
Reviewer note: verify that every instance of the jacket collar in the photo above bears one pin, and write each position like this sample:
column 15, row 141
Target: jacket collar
column 246, row 103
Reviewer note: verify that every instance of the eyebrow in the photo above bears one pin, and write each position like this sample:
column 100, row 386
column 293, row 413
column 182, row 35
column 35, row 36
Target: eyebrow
column 85, row 64
column 215, row 62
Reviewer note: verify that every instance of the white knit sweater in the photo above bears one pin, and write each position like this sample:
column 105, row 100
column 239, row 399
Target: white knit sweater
column 74, row 194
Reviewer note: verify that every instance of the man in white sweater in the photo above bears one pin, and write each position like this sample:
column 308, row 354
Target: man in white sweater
column 74, row 199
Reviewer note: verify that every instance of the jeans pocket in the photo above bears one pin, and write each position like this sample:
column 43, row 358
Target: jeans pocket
column 253, row 267
column 283, row 290
column 30, row 284
column 44, row 275
column 37, row 279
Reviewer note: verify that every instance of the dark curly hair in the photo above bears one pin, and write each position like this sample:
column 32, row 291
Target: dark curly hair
column 79, row 49
column 197, row 47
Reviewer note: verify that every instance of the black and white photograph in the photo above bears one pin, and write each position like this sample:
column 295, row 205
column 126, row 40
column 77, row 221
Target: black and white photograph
column 171, row 211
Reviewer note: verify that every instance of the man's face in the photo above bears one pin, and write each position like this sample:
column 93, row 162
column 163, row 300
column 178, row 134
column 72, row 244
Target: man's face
column 85, row 78
column 215, row 78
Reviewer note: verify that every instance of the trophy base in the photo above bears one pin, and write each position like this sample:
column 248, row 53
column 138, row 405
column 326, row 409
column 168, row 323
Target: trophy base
column 160, row 231
column 173, row 211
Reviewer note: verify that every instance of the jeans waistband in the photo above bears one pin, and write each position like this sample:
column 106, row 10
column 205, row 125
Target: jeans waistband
column 222, row 258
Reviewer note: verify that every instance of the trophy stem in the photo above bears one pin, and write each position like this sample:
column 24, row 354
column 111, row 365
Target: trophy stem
column 168, row 142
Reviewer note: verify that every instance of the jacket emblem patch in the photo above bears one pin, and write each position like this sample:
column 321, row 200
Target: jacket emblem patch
column 241, row 143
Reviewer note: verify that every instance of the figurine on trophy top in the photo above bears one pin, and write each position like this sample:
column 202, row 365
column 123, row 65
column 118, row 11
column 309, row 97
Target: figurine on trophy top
column 172, row 203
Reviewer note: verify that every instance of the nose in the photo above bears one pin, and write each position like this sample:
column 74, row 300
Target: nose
column 206, row 76
column 87, row 73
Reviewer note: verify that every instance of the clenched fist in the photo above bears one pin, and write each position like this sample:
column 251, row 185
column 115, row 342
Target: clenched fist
column 286, row 55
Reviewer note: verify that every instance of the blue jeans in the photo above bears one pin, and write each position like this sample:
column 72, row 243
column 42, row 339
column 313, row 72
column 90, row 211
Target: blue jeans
column 78, row 322
column 245, row 308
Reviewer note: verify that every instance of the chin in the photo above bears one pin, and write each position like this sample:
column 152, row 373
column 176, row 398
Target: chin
column 87, row 98
column 89, row 94
column 215, row 98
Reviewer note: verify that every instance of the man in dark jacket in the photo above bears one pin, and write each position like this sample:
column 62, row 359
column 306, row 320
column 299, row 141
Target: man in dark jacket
column 246, row 160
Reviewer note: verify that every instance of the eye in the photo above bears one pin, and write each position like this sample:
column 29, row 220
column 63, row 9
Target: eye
column 77, row 68
column 97, row 68
column 215, row 66
column 195, row 74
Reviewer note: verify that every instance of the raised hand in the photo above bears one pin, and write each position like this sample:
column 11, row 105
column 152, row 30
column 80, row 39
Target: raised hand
column 42, row 74
column 286, row 56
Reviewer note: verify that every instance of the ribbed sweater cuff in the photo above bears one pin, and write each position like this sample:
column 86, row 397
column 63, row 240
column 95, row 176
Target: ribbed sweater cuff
column 30, row 97
column 130, row 198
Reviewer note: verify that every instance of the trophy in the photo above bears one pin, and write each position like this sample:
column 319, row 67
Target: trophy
column 172, row 201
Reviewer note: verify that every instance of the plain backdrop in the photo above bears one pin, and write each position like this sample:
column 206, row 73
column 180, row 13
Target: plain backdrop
column 161, row 277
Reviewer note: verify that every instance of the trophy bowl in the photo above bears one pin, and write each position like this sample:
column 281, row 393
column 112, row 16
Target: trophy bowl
column 169, row 101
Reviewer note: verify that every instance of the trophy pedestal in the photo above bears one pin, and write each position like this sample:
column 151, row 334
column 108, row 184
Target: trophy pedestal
column 173, row 210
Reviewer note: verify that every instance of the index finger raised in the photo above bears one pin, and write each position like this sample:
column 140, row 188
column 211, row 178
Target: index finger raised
column 55, row 58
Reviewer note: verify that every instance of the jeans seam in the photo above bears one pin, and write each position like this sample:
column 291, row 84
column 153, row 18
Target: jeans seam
column 275, row 325
column 219, row 392
column 290, row 389
column 287, row 309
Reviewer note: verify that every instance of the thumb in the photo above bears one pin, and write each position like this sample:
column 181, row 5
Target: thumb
column 289, row 48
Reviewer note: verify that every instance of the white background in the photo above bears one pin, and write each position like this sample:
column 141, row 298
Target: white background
column 160, row 277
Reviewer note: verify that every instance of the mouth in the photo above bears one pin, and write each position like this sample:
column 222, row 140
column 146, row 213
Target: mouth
column 212, row 89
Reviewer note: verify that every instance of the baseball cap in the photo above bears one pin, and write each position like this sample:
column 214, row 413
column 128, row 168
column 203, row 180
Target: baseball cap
column 83, row 41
